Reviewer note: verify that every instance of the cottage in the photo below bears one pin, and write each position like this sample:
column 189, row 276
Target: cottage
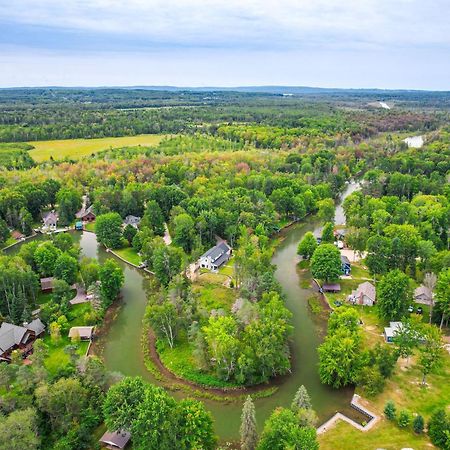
column 423, row 295
column 115, row 439
column 365, row 294
column 132, row 220
column 345, row 265
column 86, row 214
column 84, row 333
column 17, row 235
column 391, row 331
column 215, row 256
column 50, row 221
column 47, row 284
column 335, row 287
column 14, row 337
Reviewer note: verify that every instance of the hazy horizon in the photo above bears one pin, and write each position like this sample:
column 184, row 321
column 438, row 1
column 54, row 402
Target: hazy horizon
column 384, row 44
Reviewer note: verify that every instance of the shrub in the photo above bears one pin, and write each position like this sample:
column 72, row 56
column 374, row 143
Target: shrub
column 404, row 418
column 389, row 410
column 418, row 424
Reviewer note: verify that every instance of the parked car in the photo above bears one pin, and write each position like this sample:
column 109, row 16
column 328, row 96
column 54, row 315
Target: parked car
column 419, row 310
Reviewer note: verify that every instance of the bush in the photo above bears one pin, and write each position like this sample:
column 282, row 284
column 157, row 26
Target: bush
column 404, row 418
column 389, row 410
column 418, row 424
column 439, row 429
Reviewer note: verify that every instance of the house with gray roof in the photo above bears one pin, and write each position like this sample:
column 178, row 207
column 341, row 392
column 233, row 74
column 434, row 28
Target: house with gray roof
column 423, row 295
column 50, row 220
column 134, row 221
column 215, row 257
column 364, row 294
column 115, row 439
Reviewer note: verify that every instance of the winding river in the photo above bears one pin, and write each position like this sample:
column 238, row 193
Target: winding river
column 122, row 343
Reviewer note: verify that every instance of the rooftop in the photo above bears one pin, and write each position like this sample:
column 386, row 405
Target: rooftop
column 217, row 252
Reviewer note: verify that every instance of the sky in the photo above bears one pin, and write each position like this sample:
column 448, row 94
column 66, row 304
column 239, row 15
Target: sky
column 393, row 44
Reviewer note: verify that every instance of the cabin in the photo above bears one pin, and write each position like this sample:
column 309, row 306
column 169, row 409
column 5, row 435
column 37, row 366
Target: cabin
column 17, row 235
column 364, row 294
column 84, row 333
column 15, row 337
column 47, row 284
column 115, row 439
column 345, row 265
column 50, row 221
column 331, row 287
column 134, row 221
column 423, row 295
column 86, row 214
column 390, row 331
column 215, row 257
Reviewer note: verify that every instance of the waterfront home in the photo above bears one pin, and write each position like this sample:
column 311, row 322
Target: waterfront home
column 365, row 294
column 86, row 214
column 115, row 439
column 423, row 295
column 47, row 284
column 84, row 333
column 391, row 331
column 50, row 221
column 134, row 221
column 215, row 257
column 15, row 337
column 345, row 265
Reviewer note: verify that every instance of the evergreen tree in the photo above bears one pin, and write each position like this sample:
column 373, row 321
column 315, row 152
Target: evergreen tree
column 439, row 429
column 301, row 399
column 418, row 424
column 390, row 410
column 249, row 435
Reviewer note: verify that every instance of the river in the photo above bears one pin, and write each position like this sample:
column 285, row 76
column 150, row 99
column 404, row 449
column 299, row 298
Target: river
column 122, row 343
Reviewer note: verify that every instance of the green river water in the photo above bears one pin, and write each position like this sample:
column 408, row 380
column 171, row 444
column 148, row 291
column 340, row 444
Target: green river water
column 122, row 342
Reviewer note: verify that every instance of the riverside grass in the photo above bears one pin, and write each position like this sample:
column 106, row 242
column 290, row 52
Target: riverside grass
column 79, row 148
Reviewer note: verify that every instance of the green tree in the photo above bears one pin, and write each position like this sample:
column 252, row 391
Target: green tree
column 301, row 399
column 194, row 426
column 307, row 245
column 418, row 424
column 326, row 210
column 89, row 271
column 154, row 218
column 184, row 232
column 326, row 263
column 111, row 278
column 167, row 262
column 164, row 320
column 431, row 351
column 390, row 410
column 404, row 418
column 19, row 430
column 328, row 233
column 4, row 231
column 129, row 233
column 69, row 202
column 356, row 239
column 443, row 295
column 66, row 268
column 108, row 228
column 439, row 429
column 394, row 295
column 45, row 258
column 248, row 430
column 63, row 241
column 281, row 432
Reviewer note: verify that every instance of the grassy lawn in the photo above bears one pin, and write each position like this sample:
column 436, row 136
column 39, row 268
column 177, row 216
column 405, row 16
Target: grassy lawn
column 8, row 242
column 129, row 254
column 79, row 148
column 180, row 361
column 90, row 226
column 213, row 296
column 227, row 269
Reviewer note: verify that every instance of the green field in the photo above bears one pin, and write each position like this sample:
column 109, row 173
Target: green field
column 79, row 148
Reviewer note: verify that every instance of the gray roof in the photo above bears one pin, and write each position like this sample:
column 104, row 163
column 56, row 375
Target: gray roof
column 47, row 283
column 217, row 252
column 367, row 289
column 51, row 217
column 423, row 290
column 82, row 332
column 116, row 438
column 36, row 325
column 11, row 335
column 132, row 220
column 331, row 287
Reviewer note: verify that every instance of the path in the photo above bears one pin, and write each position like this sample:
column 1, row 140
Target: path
column 81, row 296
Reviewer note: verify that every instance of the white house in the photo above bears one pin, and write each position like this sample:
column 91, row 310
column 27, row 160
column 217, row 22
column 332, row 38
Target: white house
column 364, row 294
column 132, row 220
column 391, row 331
column 50, row 221
column 215, row 256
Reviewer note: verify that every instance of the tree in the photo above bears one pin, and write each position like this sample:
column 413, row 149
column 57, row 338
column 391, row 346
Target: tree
column 394, row 295
column 194, row 426
column 167, row 262
column 404, row 418
column 154, row 218
column 89, row 271
column 4, row 231
column 418, row 424
column 111, row 278
column 281, row 432
column 326, row 210
column 307, row 245
column 443, row 295
column 248, row 430
column 390, row 410
column 431, row 352
column 63, row 241
column 439, row 429
column 66, row 268
column 429, row 281
column 356, row 239
column 55, row 332
column 108, row 228
column 45, row 258
column 301, row 399
column 328, row 233
column 129, row 233
column 326, row 263
column 406, row 338
column 184, row 232
column 69, row 202
column 25, row 222
column 19, row 430
column 164, row 320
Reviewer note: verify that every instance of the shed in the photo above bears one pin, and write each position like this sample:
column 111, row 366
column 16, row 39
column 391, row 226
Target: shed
column 84, row 333
column 115, row 439
column 331, row 287
column 47, row 284
column 86, row 214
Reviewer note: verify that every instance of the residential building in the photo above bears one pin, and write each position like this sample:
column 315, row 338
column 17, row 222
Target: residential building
column 215, row 256
column 86, row 214
column 50, row 221
column 132, row 220
column 365, row 294
column 114, row 440
column 423, row 295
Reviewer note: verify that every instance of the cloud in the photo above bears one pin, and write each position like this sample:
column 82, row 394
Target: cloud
column 235, row 23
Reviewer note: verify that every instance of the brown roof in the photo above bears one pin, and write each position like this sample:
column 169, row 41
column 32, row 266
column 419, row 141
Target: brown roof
column 47, row 283
column 17, row 235
column 82, row 332
column 367, row 289
column 331, row 287
column 423, row 290
column 116, row 439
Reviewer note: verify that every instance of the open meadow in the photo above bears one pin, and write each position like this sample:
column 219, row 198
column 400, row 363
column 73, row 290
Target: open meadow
column 79, row 148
